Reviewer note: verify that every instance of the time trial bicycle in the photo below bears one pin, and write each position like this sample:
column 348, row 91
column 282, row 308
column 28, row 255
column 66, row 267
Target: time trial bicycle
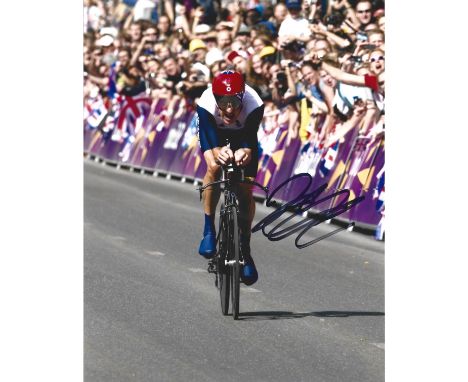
column 226, row 263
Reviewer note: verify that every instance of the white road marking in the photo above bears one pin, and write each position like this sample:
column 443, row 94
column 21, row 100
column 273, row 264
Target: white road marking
column 250, row 290
column 380, row 345
column 197, row 270
column 118, row 238
column 155, row 253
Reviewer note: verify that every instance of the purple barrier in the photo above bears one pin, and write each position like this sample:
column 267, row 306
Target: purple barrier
column 87, row 138
column 111, row 150
column 323, row 165
column 352, row 164
column 354, row 170
column 277, row 166
column 92, row 140
column 269, row 143
column 145, row 136
column 158, row 137
column 166, row 141
column 102, row 146
column 286, row 164
column 192, row 156
column 362, row 180
column 184, row 145
column 168, row 148
column 367, row 211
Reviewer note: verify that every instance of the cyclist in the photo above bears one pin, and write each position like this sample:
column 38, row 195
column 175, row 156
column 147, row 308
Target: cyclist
column 229, row 110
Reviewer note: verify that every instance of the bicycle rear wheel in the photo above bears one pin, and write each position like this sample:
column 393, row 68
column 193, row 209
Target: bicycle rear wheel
column 224, row 272
column 234, row 255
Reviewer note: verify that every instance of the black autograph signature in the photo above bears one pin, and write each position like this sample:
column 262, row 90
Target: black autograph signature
column 303, row 202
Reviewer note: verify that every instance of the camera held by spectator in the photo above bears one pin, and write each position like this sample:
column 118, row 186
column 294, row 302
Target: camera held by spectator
column 281, row 81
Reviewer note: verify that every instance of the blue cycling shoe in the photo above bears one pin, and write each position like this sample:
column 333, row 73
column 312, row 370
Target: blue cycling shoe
column 249, row 274
column 208, row 246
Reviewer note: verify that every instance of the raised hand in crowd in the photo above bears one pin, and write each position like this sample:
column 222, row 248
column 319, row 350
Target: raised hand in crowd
column 341, row 129
column 334, row 39
column 181, row 24
column 373, row 81
column 309, row 8
column 197, row 17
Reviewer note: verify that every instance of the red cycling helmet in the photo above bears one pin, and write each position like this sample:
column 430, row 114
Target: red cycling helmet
column 229, row 83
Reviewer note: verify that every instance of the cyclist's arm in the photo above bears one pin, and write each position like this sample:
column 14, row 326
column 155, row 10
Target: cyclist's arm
column 252, row 123
column 249, row 140
column 207, row 130
column 208, row 137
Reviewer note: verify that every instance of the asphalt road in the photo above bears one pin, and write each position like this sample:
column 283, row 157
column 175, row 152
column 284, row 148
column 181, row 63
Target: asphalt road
column 152, row 312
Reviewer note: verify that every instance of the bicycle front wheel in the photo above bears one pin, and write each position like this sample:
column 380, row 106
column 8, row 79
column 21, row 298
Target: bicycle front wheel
column 224, row 273
column 234, row 255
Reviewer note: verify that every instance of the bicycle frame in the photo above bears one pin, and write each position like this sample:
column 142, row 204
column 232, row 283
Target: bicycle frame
column 230, row 178
column 229, row 258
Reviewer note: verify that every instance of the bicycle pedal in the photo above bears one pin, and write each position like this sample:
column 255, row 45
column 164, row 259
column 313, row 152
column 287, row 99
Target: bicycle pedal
column 212, row 266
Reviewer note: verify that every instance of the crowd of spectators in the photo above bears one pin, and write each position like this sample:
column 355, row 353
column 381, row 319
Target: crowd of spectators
column 318, row 65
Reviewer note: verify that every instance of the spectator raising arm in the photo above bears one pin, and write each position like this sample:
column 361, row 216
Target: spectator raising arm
column 198, row 14
column 338, row 5
column 368, row 80
column 128, row 22
column 138, row 50
column 330, row 36
column 237, row 19
column 181, row 20
column 169, row 10
column 311, row 9
column 322, row 106
column 291, row 84
column 342, row 129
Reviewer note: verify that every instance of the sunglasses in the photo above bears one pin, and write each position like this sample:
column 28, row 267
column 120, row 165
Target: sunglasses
column 223, row 102
column 374, row 59
column 364, row 11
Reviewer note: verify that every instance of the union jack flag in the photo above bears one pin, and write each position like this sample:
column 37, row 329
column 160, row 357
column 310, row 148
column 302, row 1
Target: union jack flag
column 127, row 111
column 329, row 159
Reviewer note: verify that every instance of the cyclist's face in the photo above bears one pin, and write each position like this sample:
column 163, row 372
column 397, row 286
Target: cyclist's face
column 229, row 113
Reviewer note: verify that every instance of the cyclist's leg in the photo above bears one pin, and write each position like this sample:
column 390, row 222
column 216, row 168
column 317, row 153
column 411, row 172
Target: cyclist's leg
column 211, row 194
column 245, row 196
column 210, row 201
column 246, row 208
column 246, row 215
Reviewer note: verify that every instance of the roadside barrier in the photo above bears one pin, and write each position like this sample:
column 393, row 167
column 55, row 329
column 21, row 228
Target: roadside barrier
column 160, row 137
